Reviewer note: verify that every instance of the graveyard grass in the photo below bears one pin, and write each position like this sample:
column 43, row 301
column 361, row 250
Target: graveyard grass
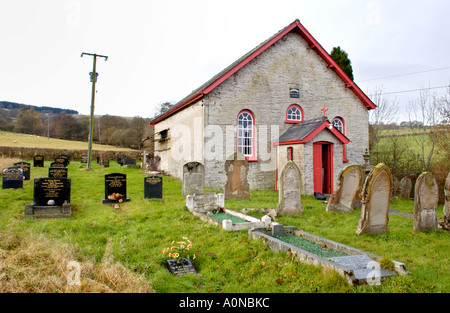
column 123, row 248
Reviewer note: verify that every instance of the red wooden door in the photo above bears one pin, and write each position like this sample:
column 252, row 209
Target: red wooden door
column 317, row 167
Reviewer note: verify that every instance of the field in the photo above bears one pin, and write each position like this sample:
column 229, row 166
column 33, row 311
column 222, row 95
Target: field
column 8, row 139
column 121, row 249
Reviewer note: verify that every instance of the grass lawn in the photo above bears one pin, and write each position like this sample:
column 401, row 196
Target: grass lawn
column 135, row 235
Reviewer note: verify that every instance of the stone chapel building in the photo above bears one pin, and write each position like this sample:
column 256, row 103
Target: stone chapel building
column 286, row 99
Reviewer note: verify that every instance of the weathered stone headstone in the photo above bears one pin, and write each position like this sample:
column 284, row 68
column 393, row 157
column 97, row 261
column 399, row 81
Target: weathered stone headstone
column 115, row 188
column 38, row 161
column 193, row 178
column 395, row 186
column 153, row 187
column 376, row 197
column 347, row 196
column 447, row 200
column 25, row 166
column 289, row 194
column 405, row 186
column 58, row 172
column 426, row 199
column 236, row 169
column 205, row 202
column 51, row 198
column 57, row 164
column 12, row 178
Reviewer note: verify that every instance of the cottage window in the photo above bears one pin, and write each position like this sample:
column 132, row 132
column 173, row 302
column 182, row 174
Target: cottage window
column 294, row 114
column 246, row 133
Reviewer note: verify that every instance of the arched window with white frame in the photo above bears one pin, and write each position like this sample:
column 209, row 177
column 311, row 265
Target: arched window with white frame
column 294, row 114
column 246, row 133
column 338, row 123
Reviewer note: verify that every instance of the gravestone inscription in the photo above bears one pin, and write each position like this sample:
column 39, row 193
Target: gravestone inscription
column 57, row 164
column 62, row 160
column 84, row 158
column 153, row 187
column 25, row 166
column 58, row 172
column 38, row 161
column 51, row 191
column 12, row 178
column 120, row 158
column 115, row 188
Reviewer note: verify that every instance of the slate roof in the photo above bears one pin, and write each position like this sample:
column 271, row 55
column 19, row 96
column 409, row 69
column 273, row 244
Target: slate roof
column 306, row 130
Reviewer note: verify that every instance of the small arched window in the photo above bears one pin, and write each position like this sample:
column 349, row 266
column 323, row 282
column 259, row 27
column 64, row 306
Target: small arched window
column 246, row 133
column 294, row 114
column 338, row 123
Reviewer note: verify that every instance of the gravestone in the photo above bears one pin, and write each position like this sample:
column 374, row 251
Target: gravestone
column 25, row 166
column 346, row 198
column 205, row 202
column 115, row 188
column 120, row 158
column 66, row 157
column 153, row 187
column 236, row 169
column 426, row 199
column 58, row 172
column 12, row 178
column 447, row 200
column 38, row 161
column 193, row 178
column 57, row 164
column 395, row 186
column 405, row 186
column 289, row 194
column 104, row 162
column 51, row 198
column 61, row 159
column 84, row 158
column 129, row 162
column 376, row 197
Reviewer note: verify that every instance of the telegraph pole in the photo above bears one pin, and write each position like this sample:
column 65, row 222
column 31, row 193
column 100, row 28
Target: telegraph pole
column 94, row 75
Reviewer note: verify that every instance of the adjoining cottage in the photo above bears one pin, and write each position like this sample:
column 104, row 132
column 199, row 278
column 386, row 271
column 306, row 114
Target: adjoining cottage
column 285, row 100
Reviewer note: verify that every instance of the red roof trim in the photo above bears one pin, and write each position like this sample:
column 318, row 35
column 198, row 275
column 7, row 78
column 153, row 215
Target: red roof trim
column 312, row 43
column 314, row 133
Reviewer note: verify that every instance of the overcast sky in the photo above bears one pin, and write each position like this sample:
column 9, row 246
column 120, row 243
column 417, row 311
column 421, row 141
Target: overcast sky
column 162, row 50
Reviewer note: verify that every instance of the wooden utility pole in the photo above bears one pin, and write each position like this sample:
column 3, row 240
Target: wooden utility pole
column 93, row 80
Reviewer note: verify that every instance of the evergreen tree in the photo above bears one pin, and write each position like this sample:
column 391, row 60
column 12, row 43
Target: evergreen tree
column 341, row 58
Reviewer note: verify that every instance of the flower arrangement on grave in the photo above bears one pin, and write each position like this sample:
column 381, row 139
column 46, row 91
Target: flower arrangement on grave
column 116, row 196
column 180, row 250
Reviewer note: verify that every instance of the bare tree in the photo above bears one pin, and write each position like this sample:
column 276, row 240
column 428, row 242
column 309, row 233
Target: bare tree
column 424, row 112
column 385, row 113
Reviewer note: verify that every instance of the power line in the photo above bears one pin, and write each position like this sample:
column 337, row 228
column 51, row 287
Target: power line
column 406, row 74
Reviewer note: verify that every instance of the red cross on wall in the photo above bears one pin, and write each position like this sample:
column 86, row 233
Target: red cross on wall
column 324, row 110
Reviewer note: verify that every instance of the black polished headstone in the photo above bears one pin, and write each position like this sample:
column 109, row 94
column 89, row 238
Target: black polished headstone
column 184, row 267
column 57, row 164
column 62, row 160
column 25, row 166
column 58, row 172
column 12, row 178
column 115, row 183
column 129, row 161
column 51, row 188
column 104, row 162
column 153, row 187
column 66, row 157
column 38, row 161
column 84, row 158
column 120, row 158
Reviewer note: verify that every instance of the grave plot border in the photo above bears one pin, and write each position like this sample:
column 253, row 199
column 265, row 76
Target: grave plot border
column 252, row 222
column 268, row 234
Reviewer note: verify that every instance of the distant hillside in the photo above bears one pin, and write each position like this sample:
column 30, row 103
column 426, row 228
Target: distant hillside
column 41, row 109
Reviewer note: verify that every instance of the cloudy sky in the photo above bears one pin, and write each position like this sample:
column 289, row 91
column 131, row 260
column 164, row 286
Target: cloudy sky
column 162, row 50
